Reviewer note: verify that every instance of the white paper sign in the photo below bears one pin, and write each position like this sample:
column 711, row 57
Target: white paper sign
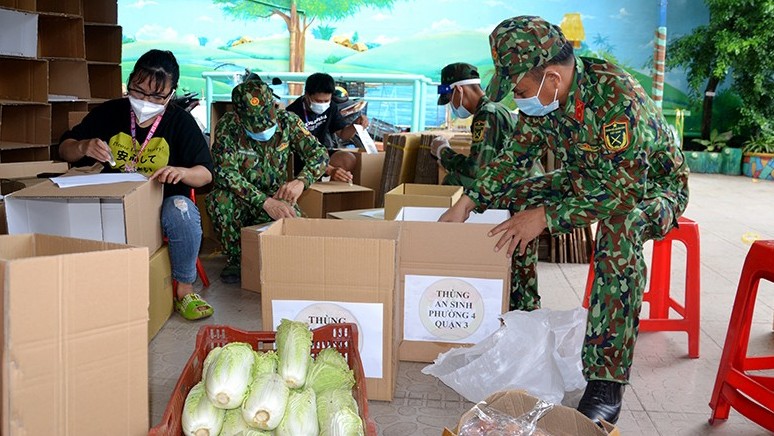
column 368, row 317
column 368, row 142
column 451, row 309
column 97, row 179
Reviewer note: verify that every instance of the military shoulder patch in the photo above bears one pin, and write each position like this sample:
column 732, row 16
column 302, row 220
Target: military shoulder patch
column 616, row 135
column 479, row 129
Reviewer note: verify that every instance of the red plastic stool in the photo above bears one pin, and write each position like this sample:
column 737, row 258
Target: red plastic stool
column 751, row 395
column 658, row 294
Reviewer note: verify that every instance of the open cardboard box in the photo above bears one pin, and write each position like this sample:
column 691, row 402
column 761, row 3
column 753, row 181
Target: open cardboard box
column 368, row 169
column 161, row 292
column 74, row 337
column 409, row 194
column 559, row 421
column 328, row 271
column 251, row 256
column 324, row 197
column 128, row 212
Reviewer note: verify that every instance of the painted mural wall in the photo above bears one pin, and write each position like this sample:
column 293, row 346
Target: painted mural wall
column 388, row 36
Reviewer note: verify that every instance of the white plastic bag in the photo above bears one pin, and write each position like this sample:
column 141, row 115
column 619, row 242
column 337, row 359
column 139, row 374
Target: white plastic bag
column 536, row 351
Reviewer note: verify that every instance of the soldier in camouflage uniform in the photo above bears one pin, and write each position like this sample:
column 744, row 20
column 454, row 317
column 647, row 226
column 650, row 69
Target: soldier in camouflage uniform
column 251, row 151
column 621, row 167
column 491, row 129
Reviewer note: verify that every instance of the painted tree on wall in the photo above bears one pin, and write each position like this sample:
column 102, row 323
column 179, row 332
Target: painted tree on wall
column 298, row 16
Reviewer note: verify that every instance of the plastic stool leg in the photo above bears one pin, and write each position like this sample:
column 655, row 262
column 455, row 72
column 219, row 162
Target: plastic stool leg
column 202, row 273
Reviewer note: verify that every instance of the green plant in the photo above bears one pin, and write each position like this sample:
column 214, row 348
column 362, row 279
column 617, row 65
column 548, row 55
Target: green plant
column 323, row 31
column 736, row 43
column 716, row 142
column 761, row 143
column 332, row 59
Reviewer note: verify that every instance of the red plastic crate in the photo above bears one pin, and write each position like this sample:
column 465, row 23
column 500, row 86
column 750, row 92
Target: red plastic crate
column 343, row 337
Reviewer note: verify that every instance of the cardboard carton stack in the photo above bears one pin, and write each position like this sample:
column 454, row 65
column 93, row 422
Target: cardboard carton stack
column 56, row 57
column 399, row 162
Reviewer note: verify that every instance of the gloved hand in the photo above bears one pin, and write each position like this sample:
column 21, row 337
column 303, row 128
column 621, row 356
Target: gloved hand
column 438, row 144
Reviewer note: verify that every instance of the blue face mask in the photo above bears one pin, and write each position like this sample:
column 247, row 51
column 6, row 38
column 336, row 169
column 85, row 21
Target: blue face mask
column 533, row 107
column 459, row 111
column 262, row 136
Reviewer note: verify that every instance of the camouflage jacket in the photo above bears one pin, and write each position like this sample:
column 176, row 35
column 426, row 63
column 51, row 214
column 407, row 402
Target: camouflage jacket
column 256, row 170
column 493, row 124
column 615, row 147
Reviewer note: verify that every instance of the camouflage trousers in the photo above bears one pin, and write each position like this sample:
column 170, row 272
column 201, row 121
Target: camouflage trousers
column 229, row 214
column 620, row 277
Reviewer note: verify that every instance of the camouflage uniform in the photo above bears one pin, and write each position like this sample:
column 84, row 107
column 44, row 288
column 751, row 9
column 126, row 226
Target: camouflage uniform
column 621, row 167
column 491, row 128
column 247, row 172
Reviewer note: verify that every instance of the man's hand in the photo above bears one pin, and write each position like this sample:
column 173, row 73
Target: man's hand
column 171, row 175
column 278, row 209
column 290, row 191
column 339, row 174
column 458, row 213
column 438, row 144
column 95, row 148
column 520, row 229
column 362, row 120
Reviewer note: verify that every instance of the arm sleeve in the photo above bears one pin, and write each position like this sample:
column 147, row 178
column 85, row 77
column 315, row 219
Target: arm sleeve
column 494, row 181
column 96, row 124
column 482, row 151
column 337, row 121
column 305, row 145
column 227, row 161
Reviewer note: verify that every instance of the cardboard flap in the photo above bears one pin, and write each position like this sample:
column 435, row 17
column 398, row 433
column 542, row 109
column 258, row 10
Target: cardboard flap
column 333, row 186
column 23, row 170
column 49, row 189
column 457, row 244
column 433, row 214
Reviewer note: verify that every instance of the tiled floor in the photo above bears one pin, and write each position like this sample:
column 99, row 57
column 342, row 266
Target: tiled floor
column 669, row 392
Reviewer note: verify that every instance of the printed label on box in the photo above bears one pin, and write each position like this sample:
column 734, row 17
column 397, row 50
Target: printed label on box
column 451, row 309
column 320, row 313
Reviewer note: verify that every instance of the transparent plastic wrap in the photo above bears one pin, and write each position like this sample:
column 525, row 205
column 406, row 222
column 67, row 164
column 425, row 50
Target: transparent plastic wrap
column 483, row 420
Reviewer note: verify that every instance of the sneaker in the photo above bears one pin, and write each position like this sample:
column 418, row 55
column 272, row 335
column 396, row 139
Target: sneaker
column 602, row 400
column 231, row 274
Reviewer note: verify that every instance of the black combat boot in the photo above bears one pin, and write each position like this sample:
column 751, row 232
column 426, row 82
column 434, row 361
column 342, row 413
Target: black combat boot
column 602, row 400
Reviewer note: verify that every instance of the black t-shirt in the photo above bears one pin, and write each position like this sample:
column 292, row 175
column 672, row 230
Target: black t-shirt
column 177, row 141
column 322, row 125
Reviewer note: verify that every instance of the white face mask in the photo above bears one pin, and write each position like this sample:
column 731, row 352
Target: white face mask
column 533, row 107
column 145, row 110
column 319, row 108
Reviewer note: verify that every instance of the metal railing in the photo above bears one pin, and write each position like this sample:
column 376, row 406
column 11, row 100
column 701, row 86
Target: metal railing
column 419, row 85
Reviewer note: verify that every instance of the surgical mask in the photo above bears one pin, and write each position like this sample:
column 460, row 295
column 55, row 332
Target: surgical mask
column 319, row 108
column 262, row 136
column 533, row 107
column 460, row 111
column 145, row 110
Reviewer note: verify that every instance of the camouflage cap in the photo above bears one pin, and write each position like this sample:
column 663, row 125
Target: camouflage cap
column 452, row 74
column 520, row 44
column 254, row 105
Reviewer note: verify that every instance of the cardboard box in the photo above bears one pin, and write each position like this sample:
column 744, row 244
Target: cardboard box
column 20, row 33
column 217, row 110
column 419, row 195
column 28, row 170
column 324, row 271
column 324, row 197
column 68, row 80
column 103, row 43
column 560, row 420
column 399, row 162
column 368, row 169
column 61, row 115
column 25, row 126
column 251, row 256
column 127, row 212
column 68, row 7
column 359, row 214
column 25, row 154
column 100, row 11
column 74, row 329
column 104, row 81
column 60, row 36
column 453, row 287
column 161, row 295
column 23, row 80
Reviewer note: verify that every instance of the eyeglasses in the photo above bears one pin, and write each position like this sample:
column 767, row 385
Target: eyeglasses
column 153, row 98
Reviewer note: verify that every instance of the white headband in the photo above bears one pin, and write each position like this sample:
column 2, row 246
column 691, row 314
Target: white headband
column 466, row 82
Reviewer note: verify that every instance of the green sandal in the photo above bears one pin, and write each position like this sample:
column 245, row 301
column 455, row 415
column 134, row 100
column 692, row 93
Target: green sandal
column 192, row 307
